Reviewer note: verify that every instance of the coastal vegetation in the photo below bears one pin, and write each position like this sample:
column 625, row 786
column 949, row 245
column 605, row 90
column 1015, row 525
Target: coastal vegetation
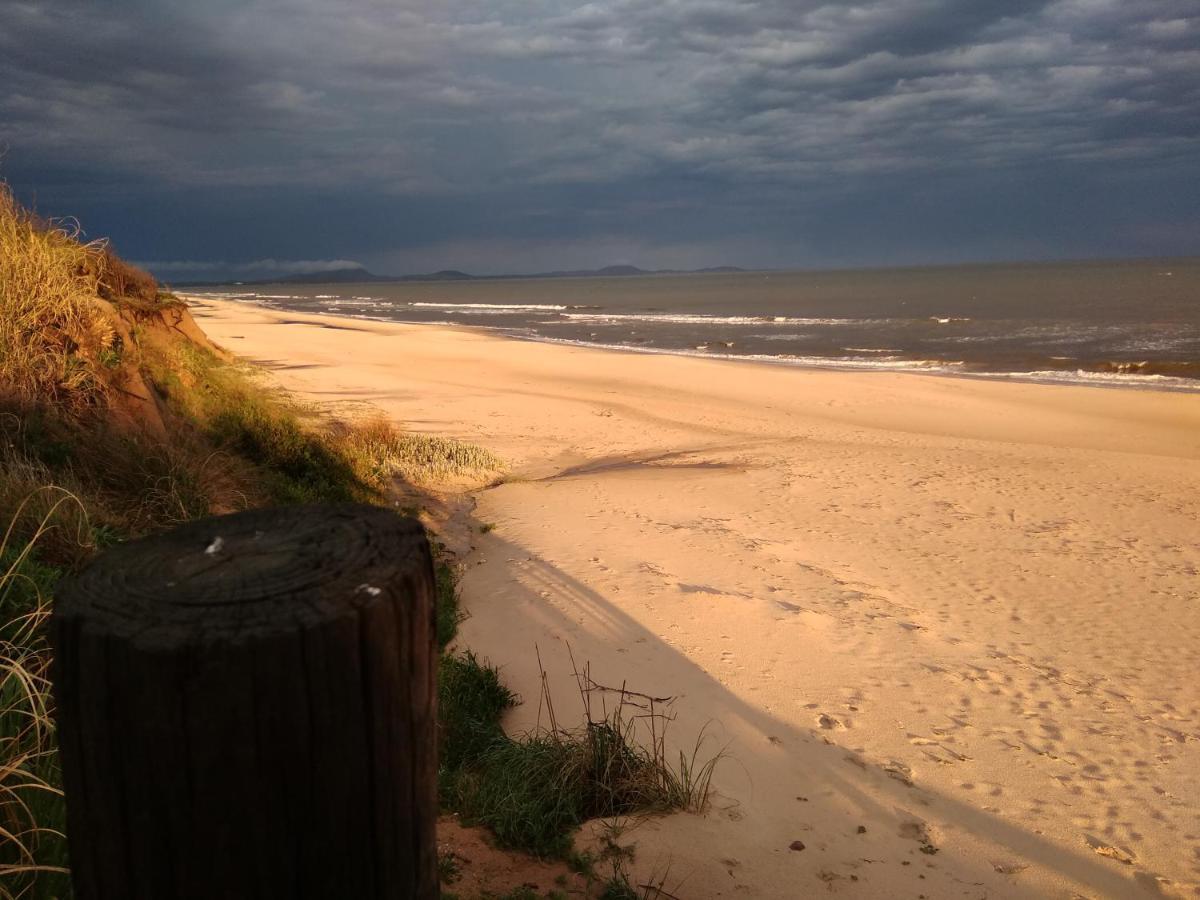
column 118, row 418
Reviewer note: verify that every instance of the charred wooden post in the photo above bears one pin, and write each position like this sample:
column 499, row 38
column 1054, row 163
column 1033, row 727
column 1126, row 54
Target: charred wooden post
column 246, row 708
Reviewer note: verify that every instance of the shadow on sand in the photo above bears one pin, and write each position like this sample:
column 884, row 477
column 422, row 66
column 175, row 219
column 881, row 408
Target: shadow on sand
column 603, row 634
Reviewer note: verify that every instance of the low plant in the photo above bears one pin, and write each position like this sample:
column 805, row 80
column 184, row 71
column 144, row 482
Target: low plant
column 449, row 867
column 534, row 791
column 381, row 452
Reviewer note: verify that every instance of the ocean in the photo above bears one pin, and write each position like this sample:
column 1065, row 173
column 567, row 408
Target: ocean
column 1132, row 323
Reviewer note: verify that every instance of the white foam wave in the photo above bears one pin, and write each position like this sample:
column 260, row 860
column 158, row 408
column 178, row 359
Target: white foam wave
column 693, row 319
column 245, row 296
column 500, row 307
column 822, row 362
column 916, row 366
column 1110, row 379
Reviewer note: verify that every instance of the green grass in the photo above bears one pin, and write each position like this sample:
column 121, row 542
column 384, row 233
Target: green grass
column 32, row 814
column 471, row 701
column 534, row 791
column 449, row 613
column 449, row 867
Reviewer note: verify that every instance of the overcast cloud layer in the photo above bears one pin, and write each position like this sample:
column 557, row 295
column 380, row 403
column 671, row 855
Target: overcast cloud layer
column 235, row 139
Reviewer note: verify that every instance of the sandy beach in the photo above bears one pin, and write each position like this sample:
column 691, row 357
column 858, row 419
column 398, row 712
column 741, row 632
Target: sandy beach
column 947, row 630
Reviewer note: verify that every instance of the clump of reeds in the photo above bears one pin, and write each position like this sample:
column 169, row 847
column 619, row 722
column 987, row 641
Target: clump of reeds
column 533, row 792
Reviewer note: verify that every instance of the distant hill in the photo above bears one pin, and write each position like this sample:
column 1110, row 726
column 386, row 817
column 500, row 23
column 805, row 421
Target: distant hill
column 332, row 276
column 355, row 275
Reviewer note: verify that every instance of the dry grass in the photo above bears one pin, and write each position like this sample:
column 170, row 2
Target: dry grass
column 52, row 334
column 379, row 452
column 32, row 842
column 118, row 280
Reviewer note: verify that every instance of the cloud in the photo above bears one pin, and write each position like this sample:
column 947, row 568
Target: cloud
column 494, row 112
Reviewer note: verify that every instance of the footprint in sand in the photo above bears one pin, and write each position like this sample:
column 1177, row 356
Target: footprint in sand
column 899, row 771
column 829, row 723
column 918, row 831
column 1103, row 848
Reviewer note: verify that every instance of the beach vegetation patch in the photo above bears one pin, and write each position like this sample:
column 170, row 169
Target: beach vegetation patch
column 381, row 452
column 535, row 790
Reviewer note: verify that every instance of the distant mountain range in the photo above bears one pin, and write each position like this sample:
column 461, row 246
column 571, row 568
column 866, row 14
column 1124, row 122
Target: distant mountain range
column 360, row 276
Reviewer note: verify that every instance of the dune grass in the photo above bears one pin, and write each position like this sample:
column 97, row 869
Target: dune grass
column 51, row 333
column 306, row 456
column 535, row 790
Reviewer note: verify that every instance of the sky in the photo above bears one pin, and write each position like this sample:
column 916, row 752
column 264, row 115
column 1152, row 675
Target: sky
column 221, row 139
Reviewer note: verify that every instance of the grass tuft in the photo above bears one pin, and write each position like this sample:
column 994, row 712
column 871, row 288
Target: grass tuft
column 380, row 452
column 533, row 792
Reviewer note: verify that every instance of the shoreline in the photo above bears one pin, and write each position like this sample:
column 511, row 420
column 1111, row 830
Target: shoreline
column 935, row 368
column 944, row 626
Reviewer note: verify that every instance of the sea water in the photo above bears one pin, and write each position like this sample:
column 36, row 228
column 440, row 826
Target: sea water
column 1133, row 323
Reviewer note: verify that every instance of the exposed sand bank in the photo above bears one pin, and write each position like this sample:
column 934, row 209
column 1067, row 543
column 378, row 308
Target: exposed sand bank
column 962, row 615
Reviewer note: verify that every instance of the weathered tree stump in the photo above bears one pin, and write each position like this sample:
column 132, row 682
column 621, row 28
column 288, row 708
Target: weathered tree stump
column 246, row 708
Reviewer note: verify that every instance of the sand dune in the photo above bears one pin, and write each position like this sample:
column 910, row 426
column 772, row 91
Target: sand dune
column 949, row 630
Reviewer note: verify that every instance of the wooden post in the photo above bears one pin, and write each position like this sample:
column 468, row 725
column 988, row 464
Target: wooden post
column 246, row 708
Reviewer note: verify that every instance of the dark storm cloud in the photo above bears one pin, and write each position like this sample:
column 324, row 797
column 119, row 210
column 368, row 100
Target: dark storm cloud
column 521, row 133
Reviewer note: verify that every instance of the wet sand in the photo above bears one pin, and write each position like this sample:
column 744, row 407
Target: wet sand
column 947, row 630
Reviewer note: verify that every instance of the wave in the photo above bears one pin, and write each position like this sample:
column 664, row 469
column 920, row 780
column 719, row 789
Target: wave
column 823, row 362
column 501, row 307
column 897, row 364
column 1109, row 379
column 694, row 319
column 240, row 295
